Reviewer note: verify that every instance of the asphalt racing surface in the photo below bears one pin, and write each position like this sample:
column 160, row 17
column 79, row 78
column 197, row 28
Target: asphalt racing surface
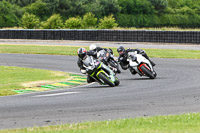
column 176, row 90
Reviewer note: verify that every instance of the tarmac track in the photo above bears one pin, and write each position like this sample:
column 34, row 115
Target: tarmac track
column 174, row 91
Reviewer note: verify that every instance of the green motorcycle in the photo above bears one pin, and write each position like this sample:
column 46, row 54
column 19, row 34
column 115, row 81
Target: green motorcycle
column 100, row 72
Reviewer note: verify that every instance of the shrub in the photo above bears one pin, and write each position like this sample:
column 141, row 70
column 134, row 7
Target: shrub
column 73, row 23
column 107, row 22
column 30, row 21
column 54, row 22
column 89, row 21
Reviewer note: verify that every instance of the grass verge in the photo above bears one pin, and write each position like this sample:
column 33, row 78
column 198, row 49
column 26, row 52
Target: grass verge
column 159, row 29
column 18, row 77
column 185, row 123
column 72, row 50
column 134, row 28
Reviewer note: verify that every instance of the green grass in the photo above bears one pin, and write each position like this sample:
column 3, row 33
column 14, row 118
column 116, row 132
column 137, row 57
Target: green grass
column 18, row 77
column 72, row 50
column 185, row 123
column 160, row 29
column 134, row 28
column 33, row 49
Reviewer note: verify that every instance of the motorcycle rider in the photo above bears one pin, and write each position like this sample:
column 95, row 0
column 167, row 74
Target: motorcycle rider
column 123, row 55
column 95, row 49
column 82, row 55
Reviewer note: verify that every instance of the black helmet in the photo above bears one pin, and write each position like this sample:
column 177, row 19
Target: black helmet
column 121, row 50
column 82, row 53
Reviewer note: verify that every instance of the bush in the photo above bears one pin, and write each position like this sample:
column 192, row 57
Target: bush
column 124, row 20
column 54, row 22
column 89, row 21
column 139, row 20
column 174, row 20
column 30, row 21
column 107, row 23
column 73, row 23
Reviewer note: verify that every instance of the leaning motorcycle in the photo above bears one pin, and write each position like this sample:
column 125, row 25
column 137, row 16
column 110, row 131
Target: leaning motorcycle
column 108, row 59
column 100, row 72
column 141, row 65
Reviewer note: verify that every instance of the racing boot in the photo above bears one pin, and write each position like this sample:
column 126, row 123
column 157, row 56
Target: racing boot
column 132, row 71
column 152, row 63
column 90, row 79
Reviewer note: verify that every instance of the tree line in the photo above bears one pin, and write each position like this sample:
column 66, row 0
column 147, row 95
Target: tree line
column 101, row 14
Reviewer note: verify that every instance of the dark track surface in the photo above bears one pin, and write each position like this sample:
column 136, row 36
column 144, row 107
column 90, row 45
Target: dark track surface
column 176, row 90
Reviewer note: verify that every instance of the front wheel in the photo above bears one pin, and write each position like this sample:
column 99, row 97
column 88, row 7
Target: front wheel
column 114, row 64
column 147, row 72
column 106, row 79
column 116, row 81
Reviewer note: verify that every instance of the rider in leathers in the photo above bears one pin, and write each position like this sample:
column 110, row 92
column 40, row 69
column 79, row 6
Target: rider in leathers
column 95, row 49
column 123, row 55
column 82, row 54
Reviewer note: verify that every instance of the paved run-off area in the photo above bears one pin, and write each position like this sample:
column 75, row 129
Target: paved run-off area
column 103, row 44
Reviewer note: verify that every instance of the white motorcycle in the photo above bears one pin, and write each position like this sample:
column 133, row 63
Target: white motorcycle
column 141, row 65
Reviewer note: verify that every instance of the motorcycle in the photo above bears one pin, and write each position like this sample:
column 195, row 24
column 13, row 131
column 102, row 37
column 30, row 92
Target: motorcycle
column 141, row 65
column 100, row 72
column 108, row 59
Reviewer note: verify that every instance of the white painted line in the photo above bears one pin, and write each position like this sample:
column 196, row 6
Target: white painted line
column 52, row 90
column 56, row 94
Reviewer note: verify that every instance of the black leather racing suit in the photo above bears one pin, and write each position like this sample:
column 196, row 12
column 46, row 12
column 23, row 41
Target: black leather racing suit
column 80, row 65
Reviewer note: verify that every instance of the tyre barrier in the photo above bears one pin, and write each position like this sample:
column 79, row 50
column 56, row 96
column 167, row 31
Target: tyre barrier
column 104, row 35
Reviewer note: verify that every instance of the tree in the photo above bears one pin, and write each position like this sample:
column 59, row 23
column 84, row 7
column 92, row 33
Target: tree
column 30, row 21
column 159, row 5
column 107, row 22
column 9, row 14
column 136, row 7
column 21, row 3
column 109, row 7
column 103, row 7
column 52, row 5
column 69, row 8
column 40, row 9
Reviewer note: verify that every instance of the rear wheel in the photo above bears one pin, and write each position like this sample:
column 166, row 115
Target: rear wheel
column 147, row 72
column 106, row 79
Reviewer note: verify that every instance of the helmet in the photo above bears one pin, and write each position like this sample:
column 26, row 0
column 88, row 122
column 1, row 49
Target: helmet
column 93, row 47
column 121, row 50
column 82, row 53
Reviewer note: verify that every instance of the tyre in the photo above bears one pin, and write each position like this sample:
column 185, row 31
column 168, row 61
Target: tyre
column 118, row 70
column 147, row 72
column 106, row 79
column 116, row 81
column 115, row 65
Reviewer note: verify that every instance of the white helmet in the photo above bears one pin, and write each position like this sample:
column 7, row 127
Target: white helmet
column 92, row 46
